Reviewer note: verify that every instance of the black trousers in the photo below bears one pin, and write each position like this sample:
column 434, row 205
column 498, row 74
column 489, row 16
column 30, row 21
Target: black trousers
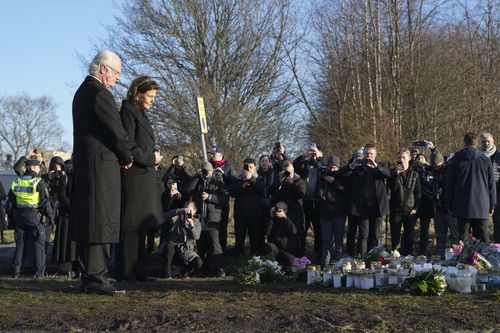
column 131, row 261
column 312, row 218
column 423, row 242
column 209, row 247
column 93, row 259
column 479, row 229
column 408, row 221
column 253, row 226
column 32, row 237
column 223, row 228
column 273, row 252
column 442, row 223
column 369, row 234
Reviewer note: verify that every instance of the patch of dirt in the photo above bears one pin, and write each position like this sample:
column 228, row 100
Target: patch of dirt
column 221, row 305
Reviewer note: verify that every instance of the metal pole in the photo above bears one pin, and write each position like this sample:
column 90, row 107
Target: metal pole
column 203, row 148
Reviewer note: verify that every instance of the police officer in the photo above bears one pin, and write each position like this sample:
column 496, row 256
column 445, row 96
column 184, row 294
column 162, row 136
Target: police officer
column 27, row 199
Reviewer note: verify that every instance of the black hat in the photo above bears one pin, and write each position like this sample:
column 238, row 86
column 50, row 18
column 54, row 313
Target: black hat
column 436, row 158
column 31, row 162
column 334, row 160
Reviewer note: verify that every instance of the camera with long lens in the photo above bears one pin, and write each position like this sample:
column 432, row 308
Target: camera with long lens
column 58, row 174
column 287, row 174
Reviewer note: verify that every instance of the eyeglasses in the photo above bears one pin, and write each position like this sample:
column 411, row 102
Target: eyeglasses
column 117, row 73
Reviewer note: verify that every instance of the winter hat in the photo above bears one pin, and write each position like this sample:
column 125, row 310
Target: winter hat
column 436, row 158
column 207, row 166
column 217, row 149
column 334, row 160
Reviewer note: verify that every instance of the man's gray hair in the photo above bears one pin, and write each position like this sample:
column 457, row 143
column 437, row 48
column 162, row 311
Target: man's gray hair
column 486, row 135
column 105, row 57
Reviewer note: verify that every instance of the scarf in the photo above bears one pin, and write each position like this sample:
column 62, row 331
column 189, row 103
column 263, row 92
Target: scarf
column 218, row 164
column 489, row 152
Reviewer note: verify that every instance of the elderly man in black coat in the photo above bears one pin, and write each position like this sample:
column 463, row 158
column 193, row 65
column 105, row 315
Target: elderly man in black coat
column 471, row 189
column 100, row 147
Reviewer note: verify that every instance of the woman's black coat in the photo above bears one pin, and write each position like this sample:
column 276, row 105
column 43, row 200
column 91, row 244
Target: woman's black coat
column 141, row 206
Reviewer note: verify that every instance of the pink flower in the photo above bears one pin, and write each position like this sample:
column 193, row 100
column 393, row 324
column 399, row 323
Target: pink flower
column 457, row 249
column 473, row 258
column 495, row 245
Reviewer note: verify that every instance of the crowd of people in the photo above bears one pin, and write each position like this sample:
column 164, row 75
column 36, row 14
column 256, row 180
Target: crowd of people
column 114, row 191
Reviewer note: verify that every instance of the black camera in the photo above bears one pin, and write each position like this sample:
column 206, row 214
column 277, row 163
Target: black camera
column 287, row 174
column 204, row 172
column 189, row 215
column 364, row 161
column 246, row 167
column 277, row 146
column 58, row 174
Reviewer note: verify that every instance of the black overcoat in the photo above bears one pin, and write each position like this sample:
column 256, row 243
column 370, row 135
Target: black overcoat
column 471, row 185
column 100, row 145
column 141, row 204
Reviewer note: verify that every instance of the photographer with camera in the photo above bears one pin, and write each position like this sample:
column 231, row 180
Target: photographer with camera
column 278, row 155
column 185, row 230
column 426, row 211
column 225, row 172
column 308, row 167
column 247, row 191
column 64, row 250
column 33, row 154
column 333, row 208
column 404, row 203
column 282, row 236
column 171, row 198
column 210, row 195
column 290, row 189
column 368, row 199
column 178, row 172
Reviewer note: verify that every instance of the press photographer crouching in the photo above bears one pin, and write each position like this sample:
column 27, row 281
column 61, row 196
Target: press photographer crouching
column 185, row 230
column 282, row 236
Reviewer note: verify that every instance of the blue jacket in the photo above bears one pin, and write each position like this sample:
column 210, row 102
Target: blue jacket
column 471, row 185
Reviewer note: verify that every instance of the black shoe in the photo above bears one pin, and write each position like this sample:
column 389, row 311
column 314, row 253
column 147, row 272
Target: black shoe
column 220, row 272
column 97, row 288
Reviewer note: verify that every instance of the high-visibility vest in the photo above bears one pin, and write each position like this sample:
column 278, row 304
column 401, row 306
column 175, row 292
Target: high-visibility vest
column 25, row 191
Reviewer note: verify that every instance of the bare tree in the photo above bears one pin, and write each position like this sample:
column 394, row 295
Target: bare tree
column 229, row 52
column 28, row 122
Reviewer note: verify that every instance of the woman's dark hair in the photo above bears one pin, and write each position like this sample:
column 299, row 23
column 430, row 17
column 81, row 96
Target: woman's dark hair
column 140, row 85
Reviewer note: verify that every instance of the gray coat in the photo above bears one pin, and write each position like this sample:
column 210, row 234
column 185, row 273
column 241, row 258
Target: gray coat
column 471, row 185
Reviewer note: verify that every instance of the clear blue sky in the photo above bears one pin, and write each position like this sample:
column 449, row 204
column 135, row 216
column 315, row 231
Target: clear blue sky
column 41, row 44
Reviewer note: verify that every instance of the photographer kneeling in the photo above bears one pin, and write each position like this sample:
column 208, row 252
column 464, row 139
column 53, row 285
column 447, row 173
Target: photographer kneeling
column 282, row 236
column 185, row 231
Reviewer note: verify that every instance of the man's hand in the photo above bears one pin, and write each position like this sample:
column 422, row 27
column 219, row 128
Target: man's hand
column 492, row 211
column 247, row 174
column 127, row 166
column 429, row 144
column 204, row 196
column 220, row 170
column 371, row 163
column 174, row 191
column 413, row 212
column 280, row 214
column 356, row 163
column 158, row 157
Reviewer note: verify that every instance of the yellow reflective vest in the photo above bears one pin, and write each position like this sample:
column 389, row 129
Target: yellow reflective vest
column 25, row 191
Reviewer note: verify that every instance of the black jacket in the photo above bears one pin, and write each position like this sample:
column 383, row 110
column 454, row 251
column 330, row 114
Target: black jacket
column 425, row 173
column 440, row 179
column 211, row 210
column 357, row 184
column 247, row 197
column 406, row 192
column 309, row 170
column 291, row 191
column 471, row 185
column 181, row 175
column 100, row 145
column 283, row 233
column 141, row 197
column 332, row 197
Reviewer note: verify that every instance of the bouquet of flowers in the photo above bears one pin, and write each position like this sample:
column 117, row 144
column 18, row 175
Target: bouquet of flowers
column 428, row 283
column 257, row 271
column 468, row 252
column 378, row 254
column 299, row 269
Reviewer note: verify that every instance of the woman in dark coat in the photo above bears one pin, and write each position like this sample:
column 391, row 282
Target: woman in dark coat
column 140, row 194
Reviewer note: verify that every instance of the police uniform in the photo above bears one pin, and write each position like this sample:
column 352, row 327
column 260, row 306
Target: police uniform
column 27, row 199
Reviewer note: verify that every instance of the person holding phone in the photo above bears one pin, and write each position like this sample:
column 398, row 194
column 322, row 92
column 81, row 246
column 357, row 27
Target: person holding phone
column 406, row 195
column 282, row 236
